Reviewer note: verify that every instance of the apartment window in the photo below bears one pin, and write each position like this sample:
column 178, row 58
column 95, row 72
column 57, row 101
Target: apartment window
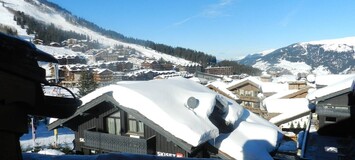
column 241, row 92
column 135, row 126
column 114, row 123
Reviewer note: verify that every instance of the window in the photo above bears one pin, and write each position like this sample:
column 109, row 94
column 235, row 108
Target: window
column 330, row 119
column 135, row 126
column 241, row 92
column 114, row 123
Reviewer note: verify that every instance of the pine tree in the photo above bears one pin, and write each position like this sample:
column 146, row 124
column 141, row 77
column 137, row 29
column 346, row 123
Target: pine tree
column 86, row 83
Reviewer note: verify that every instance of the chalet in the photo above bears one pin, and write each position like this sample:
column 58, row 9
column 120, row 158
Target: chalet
column 190, row 68
column 334, row 121
column 106, row 56
column 151, row 65
column 335, row 107
column 103, row 77
column 72, row 74
column 171, row 117
column 297, row 84
column 71, row 59
column 124, row 66
column 247, row 90
column 77, row 48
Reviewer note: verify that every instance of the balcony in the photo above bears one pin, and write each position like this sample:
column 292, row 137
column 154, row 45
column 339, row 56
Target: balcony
column 248, row 98
column 114, row 143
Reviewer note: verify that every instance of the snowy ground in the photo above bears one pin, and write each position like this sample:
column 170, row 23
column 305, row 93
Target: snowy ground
column 45, row 138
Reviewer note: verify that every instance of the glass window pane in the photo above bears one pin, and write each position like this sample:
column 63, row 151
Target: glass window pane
column 118, row 126
column 111, row 125
column 132, row 126
column 140, row 127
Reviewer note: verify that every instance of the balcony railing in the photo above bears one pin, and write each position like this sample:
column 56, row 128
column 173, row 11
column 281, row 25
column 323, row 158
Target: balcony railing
column 114, row 143
column 248, row 98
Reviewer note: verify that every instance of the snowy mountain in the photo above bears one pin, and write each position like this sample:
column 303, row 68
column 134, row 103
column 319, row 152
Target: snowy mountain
column 59, row 18
column 319, row 57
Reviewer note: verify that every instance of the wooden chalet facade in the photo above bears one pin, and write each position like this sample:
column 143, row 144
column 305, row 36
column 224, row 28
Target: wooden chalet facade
column 102, row 125
column 247, row 91
column 103, row 76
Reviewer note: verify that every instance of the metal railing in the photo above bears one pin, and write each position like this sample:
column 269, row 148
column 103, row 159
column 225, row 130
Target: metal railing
column 114, row 143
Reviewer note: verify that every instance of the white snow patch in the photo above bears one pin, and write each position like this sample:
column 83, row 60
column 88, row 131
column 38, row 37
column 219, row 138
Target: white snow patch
column 262, row 65
column 294, row 67
column 321, row 70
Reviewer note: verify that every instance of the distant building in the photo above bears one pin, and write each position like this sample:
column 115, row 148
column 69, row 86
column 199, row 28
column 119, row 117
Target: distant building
column 247, row 90
column 103, row 77
column 206, row 76
column 219, row 70
column 190, row 68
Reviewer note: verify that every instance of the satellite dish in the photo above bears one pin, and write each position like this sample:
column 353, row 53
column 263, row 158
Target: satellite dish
column 192, row 103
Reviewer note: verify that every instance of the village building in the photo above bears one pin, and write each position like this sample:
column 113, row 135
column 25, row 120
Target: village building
column 190, row 68
column 226, row 70
column 105, row 55
column 103, row 77
column 247, row 90
column 335, row 107
column 189, row 120
column 70, row 59
column 206, row 76
column 330, row 133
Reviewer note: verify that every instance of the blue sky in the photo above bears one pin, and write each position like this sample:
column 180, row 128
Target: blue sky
column 224, row 28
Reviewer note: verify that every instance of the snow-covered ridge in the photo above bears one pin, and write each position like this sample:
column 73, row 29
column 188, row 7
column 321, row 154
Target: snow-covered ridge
column 266, row 52
column 339, row 45
column 49, row 15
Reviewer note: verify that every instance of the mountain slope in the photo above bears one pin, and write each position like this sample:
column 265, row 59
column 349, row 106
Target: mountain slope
column 49, row 15
column 326, row 56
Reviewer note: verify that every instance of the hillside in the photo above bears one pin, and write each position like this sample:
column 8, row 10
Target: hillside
column 15, row 18
column 334, row 56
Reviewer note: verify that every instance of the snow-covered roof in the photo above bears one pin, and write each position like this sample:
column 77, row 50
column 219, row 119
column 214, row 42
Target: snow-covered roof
column 271, row 87
column 340, row 87
column 168, row 99
column 290, row 109
column 285, row 105
column 325, row 80
column 221, row 86
column 253, row 80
